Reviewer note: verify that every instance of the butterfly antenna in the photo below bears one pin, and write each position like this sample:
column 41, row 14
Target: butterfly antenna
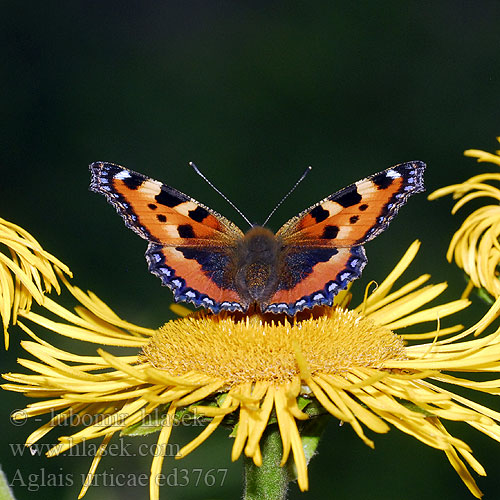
column 308, row 169
column 197, row 170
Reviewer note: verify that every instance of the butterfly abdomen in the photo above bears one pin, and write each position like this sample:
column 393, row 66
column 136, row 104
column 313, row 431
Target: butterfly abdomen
column 256, row 262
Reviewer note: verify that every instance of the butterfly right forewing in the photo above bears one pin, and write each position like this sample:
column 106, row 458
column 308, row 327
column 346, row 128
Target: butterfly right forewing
column 357, row 213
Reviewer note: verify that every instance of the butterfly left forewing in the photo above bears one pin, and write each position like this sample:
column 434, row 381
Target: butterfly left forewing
column 327, row 238
column 160, row 213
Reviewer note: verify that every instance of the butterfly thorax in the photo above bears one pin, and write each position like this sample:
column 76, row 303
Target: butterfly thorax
column 256, row 263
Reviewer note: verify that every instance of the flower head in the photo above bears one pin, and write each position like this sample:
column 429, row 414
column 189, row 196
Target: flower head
column 26, row 273
column 254, row 370
column 475, row 246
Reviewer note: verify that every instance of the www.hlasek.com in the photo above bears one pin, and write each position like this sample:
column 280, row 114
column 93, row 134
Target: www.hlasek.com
column 177, row 477
column 84, row 448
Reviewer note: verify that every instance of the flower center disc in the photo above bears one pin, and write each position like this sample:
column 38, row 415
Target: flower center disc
column 255, row 349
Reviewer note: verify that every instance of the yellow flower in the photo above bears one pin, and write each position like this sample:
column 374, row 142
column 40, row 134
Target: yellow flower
column 27, row 274
column 254, row 370
column 475, row 246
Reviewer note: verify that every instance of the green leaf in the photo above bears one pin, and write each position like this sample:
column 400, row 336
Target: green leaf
column 416, row 408
column 5, row 491
column 485, row 296
column 153, row 422
column 310, row 434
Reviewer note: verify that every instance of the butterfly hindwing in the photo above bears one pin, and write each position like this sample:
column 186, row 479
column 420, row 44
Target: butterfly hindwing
column 313, row 276
column 200, row 275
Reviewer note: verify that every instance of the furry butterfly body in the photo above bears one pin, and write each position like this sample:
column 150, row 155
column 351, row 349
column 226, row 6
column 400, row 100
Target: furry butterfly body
column 207, row 260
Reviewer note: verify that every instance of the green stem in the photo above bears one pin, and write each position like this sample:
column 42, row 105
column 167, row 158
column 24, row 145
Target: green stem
column 269, row 481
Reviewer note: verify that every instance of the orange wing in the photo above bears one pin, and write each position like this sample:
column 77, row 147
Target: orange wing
column 357, row 213
column 191, row 246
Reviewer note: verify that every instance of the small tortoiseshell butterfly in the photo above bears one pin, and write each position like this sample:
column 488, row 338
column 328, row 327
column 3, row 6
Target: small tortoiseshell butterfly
column 207, row 260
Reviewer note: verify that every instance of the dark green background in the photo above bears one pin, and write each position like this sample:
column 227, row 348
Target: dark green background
column 253, row 92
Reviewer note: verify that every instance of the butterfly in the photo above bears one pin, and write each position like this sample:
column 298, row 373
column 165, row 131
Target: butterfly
column 205, row 259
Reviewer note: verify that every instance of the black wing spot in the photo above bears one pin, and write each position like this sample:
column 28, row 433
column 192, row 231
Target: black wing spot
column 319, row 213
column 198, row 214
column 152, row 206
column 168, row 199
column 186, row 231
column 133, row 182
column 350, row 198
column 161, row 218
column 330, row 232
column 383, row 182
column 363, row 207
column 354, row 219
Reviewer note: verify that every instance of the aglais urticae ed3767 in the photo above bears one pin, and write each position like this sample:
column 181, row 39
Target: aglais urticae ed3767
column 207, row 260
